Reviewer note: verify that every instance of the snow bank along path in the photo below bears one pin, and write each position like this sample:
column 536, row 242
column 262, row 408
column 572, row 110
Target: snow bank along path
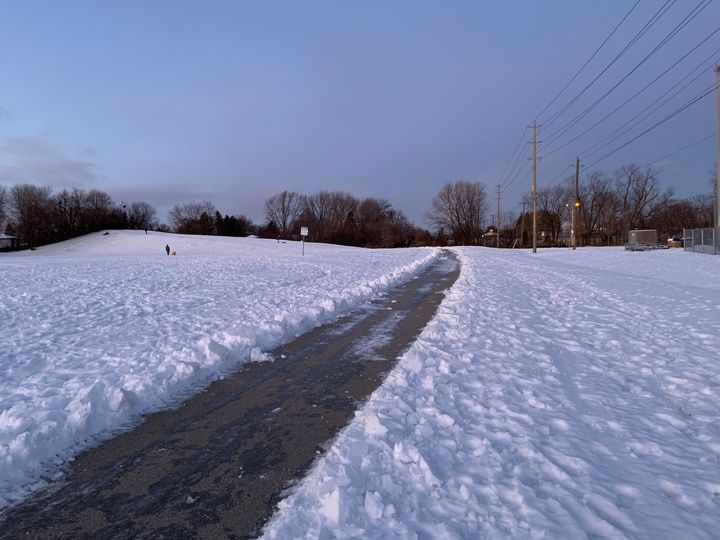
column 551, row 397
column 99, row 329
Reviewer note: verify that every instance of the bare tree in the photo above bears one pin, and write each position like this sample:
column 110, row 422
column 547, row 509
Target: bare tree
column 703, row 209
column 3, row 206
column 31, row 210
column 638, row 192
column 193, row 218
column 142, row 215
column 315, row 214
column 670, row 218
column 100, row 212
column 381, row 225
column 68, row 212
column 459, row 209
column 599, row 206
column 283, row 209
column 552, row 204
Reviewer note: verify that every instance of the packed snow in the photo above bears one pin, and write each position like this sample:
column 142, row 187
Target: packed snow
column 562, row 395
column 100, row 329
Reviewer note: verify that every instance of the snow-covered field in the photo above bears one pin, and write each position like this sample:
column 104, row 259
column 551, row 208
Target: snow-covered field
column 99, row 329
column 563, row 395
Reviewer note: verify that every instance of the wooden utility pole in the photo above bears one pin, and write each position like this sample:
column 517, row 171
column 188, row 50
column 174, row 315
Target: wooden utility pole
column 497, row 219
column 575, row 208
column 522, row 225
column 717, row 166
column 534, row 186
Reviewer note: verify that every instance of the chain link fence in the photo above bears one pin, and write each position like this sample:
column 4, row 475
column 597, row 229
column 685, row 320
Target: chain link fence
column 700, row 241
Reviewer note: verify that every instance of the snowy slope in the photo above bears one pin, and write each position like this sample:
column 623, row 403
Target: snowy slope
column 551, row 397
column 671, row 265
column 101, row 328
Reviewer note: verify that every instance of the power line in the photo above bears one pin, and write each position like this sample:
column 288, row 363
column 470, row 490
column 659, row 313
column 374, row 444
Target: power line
column 511, row 178
column 631, row 98
column 679, row 27
column 518, row 177
column 517, row 159
column 559, row 176
column 512, row 156
column 641, row 116
column 701, row 67
column 648, row 130
column 686, row 147
column 617, row 26
column 654, row 19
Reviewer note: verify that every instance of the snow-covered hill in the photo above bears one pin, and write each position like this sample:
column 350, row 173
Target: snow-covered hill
column 98, row 329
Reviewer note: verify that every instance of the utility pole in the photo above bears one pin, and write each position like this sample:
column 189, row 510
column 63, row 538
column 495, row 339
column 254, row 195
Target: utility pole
column 497, row 219
column 717, row 166
column 576, row 202
column 522, row 225
column 534, row 186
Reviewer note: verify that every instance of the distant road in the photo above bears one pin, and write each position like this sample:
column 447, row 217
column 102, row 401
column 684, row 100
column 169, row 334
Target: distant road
column 217, row 466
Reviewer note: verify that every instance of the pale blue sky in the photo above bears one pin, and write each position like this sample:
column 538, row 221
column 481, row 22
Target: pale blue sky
column 170, row 101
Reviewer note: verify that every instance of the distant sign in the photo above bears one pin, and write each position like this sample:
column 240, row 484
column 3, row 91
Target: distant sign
column 303, row 231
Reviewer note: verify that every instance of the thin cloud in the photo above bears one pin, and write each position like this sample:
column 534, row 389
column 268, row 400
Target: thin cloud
column 35, row 160
column 4, row 115
column 26, row 147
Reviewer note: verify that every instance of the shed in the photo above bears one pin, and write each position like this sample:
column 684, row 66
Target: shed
column 643, row 239
column 9, row 243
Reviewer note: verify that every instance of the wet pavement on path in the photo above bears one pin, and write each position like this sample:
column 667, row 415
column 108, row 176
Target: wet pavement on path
column 217, row 466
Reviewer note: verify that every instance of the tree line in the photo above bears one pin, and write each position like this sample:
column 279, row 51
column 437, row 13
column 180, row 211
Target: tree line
column 610, row 206
column 340, row 218
column 38, row 216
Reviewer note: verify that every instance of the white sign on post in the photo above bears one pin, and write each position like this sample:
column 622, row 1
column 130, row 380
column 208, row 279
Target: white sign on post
column 303, row 234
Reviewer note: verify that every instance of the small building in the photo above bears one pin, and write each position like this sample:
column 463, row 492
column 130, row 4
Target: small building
column 9, row 243
column 643, row 240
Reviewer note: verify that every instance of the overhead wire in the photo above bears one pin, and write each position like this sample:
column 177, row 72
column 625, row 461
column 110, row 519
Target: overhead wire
column 507, row 178
column 653, row 20
column 593, row 55
column 547, row 153
column 676, row 30
column 645, row 113
column 657, row 124
column 512, row 156
column 686, row 147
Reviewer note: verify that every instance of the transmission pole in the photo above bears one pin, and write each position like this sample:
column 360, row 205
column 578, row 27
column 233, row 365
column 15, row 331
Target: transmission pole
column 717, row 166
column 522, row 224
column 497, row 218
column 534, row 186
column 573, row 225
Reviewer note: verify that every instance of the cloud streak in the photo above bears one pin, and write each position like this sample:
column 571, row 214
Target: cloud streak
column 35, row 160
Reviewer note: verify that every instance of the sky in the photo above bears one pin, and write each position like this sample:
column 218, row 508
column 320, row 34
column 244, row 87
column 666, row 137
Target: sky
column 175, row 101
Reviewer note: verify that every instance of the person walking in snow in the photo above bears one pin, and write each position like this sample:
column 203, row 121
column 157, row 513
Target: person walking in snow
column 167, row 249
